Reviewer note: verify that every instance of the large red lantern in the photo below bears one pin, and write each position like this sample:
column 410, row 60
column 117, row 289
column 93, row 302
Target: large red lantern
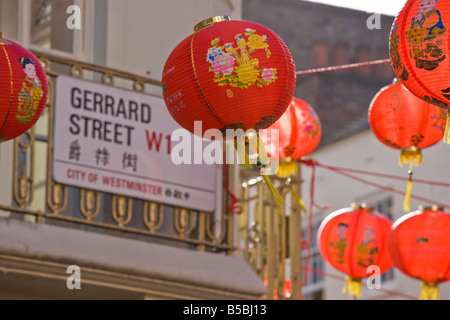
column 228, row 75
column 23, row 89
column 419, row 50
column 353, row 239
column 402, row 121
column 419, row 246
column 299, row 132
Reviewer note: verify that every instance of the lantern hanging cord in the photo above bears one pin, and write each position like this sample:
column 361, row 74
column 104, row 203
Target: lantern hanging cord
column 233, row 206
column 382, row 175
column 312, row 162
column 343, row 67
column 306, row 243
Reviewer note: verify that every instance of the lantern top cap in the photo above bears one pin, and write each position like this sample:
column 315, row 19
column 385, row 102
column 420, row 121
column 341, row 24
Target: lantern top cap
column 432, row 208
column 210, row 21
column 363, row 206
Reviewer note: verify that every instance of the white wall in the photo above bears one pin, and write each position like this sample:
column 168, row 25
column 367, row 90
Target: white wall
column 143, row 33
column 363, row 151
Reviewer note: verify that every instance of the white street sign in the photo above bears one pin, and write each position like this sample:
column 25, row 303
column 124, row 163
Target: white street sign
column 118, row 141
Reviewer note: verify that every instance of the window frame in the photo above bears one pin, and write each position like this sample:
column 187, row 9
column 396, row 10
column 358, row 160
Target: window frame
column 82, row 41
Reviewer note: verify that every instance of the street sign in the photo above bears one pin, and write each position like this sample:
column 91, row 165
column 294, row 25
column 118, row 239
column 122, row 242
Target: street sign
column 118, row 141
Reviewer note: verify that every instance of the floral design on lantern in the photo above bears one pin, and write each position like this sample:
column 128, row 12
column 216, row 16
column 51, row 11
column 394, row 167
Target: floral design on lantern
column 234, row 66
column 204, row 74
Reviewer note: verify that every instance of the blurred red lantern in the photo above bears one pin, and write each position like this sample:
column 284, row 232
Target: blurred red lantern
column 402, row 121
column 419, row 246
column 419, row 50
column 229, row 75
column 299, row 131
column 351, row 240
column 23, row 89
column 286, row 294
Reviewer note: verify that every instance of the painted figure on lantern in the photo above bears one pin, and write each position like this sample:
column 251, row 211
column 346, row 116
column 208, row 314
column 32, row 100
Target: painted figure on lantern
column 368, row 249
column 341, row 244
column 441, row 119
column 426, row 36
column 313, row 128
column 30, row 94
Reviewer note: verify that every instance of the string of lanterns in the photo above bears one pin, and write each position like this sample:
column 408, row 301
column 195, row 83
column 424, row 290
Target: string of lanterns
column 239, row 75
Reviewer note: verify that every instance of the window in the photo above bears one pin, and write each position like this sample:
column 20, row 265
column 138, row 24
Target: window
column 312, row 289
column 48, row 25
column 384, row 205
column 320, row 54
column 8, row 18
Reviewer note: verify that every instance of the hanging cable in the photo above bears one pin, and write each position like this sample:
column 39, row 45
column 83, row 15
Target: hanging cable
column 343, row 67
column 379, row 186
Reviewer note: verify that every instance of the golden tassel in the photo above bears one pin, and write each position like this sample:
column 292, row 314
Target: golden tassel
column 239, row 145
column 412, row 155
column 429, row 292
column 263, row 158
column 352, row 286
column 261, row 151
column 276, row 195
column 298, row 199
column 407, row 200
column 287, row 168
column 447, row 128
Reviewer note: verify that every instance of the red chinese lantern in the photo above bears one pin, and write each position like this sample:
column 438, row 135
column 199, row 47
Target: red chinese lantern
column 351, row 240
column 229, row 75
column 299, row 131
column 23, row 89
column 419, row 246
column 402, row 121
column 419, row 51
